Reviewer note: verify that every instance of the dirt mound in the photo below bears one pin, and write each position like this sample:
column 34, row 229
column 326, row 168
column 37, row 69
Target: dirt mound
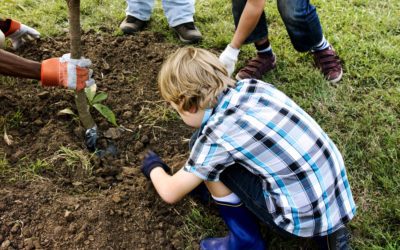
column 78, row 200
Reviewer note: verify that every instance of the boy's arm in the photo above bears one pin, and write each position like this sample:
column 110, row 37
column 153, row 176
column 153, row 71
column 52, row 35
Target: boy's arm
column 173, row 188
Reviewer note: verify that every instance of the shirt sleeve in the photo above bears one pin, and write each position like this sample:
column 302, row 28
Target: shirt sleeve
column 208, row 159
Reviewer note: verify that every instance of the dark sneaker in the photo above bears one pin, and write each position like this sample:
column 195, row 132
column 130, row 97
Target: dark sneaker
column 329, row 64
column 257, row 67
column 131, row 25
column 188, row 32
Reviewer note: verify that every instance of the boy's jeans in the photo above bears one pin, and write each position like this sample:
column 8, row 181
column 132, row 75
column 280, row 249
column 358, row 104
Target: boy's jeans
column 237, row 179
column 299, row 16
column 176, row 11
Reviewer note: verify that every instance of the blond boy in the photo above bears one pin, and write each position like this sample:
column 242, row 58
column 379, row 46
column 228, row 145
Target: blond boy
column 259, row 154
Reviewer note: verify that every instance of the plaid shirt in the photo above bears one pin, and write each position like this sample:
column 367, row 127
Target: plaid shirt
column 304, row 179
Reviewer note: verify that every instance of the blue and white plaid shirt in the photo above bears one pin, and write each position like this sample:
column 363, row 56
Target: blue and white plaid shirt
column 304, row 178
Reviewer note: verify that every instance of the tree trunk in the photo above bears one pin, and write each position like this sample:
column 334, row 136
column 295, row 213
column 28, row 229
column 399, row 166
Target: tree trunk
column 75, row 33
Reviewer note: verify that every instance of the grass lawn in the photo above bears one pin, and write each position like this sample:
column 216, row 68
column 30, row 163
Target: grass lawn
column 361, row 114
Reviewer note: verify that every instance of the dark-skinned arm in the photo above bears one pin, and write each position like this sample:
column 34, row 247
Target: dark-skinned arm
column 13, row 65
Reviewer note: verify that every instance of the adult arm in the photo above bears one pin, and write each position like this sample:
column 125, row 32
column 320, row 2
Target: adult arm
column 63, row 71
column 13, row 65
column 17, row 32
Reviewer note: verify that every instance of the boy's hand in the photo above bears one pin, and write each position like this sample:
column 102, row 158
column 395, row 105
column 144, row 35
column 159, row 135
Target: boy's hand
column 19, row 33
column 67, row 72
column 229, row 58
column 152, row 161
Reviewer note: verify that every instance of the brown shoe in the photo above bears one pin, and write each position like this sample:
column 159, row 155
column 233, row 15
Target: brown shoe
column 131, row 25
column 329, row 64
column 257, row 67
column 188, row 32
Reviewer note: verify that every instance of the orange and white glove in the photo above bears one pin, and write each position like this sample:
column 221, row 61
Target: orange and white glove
column 67, row 72
column 2, row 39
column 19, row 33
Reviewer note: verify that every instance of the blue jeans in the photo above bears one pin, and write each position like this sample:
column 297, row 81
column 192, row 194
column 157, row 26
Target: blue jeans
column 237, row 179
column 299, row 16
column 176, row 11
column 248, row 187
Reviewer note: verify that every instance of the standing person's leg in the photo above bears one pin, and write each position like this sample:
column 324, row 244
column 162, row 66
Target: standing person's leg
column 265, row 59
column 305, row 31
column 180, row 14
column 138, row 14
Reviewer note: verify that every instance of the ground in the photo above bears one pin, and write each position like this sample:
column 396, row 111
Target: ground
column 361, row 115
column 54, row 194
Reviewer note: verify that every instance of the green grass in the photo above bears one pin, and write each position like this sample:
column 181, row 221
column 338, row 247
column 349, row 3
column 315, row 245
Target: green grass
column 361, row 114
column 74, row 159
column 27, row 170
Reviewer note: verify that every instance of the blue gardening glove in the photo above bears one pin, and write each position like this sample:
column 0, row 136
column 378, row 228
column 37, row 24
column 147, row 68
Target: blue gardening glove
column 152, row 161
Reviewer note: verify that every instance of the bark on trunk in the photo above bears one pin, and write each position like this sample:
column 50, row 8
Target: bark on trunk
column 75, row 34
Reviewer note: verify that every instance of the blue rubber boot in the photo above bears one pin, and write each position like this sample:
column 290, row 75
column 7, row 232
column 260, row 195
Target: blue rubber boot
column 244, row 231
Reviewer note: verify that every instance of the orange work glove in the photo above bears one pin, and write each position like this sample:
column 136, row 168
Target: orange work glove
column 67, row 72
column 19, row 33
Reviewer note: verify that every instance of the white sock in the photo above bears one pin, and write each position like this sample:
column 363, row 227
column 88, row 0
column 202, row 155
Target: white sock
column 320, row 46
column 269, row 49
column 230, row 198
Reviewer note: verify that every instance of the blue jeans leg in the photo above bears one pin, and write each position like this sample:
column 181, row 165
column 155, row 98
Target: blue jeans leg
column 260, row 31
column 248, row 187
column 140, row 9
column 178, row 11
column 237, row 178
column 302, row 23
column 338, row 240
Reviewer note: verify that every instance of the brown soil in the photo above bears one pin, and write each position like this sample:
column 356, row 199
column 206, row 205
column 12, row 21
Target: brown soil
column 115, row 207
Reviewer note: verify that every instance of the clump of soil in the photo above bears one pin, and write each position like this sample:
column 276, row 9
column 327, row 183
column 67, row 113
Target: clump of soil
column 83, row 201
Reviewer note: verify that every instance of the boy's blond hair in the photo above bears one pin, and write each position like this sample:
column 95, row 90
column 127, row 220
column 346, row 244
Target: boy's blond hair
column 193, row 78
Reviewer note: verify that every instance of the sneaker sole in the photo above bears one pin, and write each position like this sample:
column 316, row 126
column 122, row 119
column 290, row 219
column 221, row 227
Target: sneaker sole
column 128, row 31
column 188, row 41
column 237, row 77
column 337, row 79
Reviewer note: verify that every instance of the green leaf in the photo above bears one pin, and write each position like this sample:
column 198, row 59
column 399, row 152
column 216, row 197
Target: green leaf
column 106, row 112
column 90, row 93
column 99, row 97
